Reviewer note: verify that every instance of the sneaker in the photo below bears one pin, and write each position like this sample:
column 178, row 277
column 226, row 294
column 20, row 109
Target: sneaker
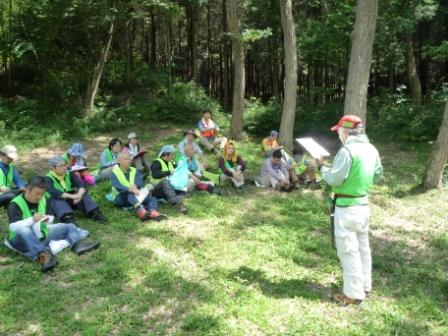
column 80, row 247
column 47, row 260
column 69, row 218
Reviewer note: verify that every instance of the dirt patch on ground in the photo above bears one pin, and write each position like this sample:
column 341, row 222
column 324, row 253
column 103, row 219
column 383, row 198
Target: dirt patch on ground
column 36, row 160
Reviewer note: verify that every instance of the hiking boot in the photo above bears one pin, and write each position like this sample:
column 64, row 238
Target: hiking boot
column 47, row 260
column 181, row 208
column 157, row 216
column 218, row 191
column 80, row 247
column 344, row 300
column 98, row 216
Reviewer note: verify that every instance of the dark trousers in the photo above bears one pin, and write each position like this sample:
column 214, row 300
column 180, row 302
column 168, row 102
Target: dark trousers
column 165, row 190
column 62, row 207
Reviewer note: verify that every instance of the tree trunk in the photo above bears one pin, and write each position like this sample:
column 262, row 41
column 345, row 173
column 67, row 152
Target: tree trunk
column 361, row 58
column 192, row 41
column 153, row 34
column 439, row 155
column 290, row 100
column 225, row 42
column 413, row 78
column 129, row 56
column 92, row 87
column 209, row 50
column 236, row 128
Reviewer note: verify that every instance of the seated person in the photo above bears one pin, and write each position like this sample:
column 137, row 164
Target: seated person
column 75, row 157
column 133, row 147
column 190, row 138
column 11, row 183
column 304, row 168
column 68, row 192
column 161, row 169
column 108, row 158
column 275, row 174
column 196, row 172
column 127, row 184
column 232, row 165
column 270, row 144
column 24, row 213
column 209, row 130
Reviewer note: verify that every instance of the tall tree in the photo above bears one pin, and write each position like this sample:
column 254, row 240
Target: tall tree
column 439, row 155
column 239, row 85
column 361, row 58
column 290, row 99
column 94, row 82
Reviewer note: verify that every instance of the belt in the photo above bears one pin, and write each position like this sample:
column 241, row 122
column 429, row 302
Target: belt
column 347, row 196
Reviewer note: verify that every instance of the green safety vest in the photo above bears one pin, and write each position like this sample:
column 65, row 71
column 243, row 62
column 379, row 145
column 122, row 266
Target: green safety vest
column 165, row 168
column 360, row 178
column 122, row 179
column 57, row 184
column 26, row 213
column 300, row 169
column 227, row 165
column 6, row 181
column 109, row 155
column 66, row 158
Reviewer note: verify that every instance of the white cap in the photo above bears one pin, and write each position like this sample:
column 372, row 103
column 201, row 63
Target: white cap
column 10, row 151
column 132, row 135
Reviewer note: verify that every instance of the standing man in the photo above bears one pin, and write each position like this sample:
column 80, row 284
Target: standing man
column 356, row 166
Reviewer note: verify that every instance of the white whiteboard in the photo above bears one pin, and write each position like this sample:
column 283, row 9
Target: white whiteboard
column 313, row 148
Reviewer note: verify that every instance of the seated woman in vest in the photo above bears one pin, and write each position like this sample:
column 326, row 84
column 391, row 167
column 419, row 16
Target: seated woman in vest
column 68, row 192
column 232, row 165
column 11, row 183
column 270, row 144
column 75, row 160
column 275, row 174
column 304, row 168
column 196, row 172
column 133, row 147
column 161, row 169
column 31, row 227
column 209, row 131
column 108, row 158
column 127, row 184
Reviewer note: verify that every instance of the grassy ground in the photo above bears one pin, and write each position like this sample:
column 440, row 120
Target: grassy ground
column 253, row 263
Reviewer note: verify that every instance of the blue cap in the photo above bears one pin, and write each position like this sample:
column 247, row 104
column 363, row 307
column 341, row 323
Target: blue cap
column 274, row 133
column 167, row 149
column 76, row 149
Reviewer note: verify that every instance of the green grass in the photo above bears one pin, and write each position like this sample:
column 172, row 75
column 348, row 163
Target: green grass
column 252, row 263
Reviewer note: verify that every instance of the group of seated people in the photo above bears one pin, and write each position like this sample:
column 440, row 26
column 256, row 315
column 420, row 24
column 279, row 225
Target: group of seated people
column 41, row 212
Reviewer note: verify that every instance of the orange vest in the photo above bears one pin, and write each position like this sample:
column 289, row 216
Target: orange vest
column 209, row 133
